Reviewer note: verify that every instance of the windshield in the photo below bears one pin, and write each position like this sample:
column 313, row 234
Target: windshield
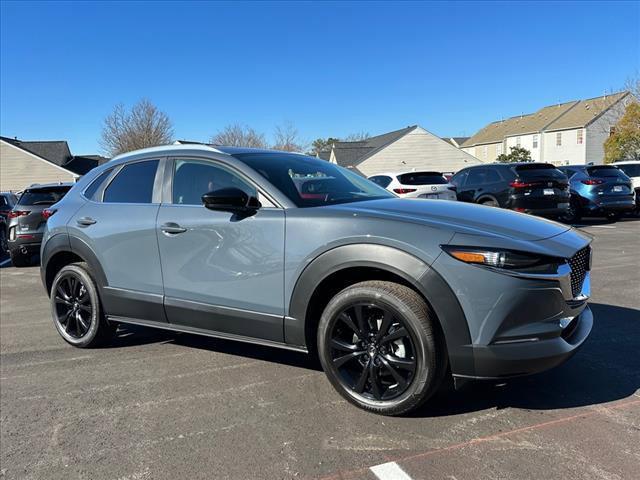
column 631, row 169
column 43, row 196
column 422, row 178
column 309, row 182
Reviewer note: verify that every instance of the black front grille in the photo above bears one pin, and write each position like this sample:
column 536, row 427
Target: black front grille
column 579, row 264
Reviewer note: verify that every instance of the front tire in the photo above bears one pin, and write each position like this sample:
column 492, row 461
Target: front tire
column 378, row 345
column 76, row 308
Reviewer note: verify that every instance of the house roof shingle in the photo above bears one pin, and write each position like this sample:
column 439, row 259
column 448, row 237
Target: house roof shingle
column 58, row 153
column 572, row 114
column 351, row 154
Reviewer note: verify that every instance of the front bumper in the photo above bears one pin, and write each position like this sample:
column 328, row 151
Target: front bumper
column 518, row 323
column 527, row 357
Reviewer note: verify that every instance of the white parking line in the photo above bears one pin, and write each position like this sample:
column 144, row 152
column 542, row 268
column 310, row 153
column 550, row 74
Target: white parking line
column 390, row 471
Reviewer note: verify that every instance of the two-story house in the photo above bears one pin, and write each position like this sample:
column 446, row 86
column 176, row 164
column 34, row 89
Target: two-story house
column 567, row 133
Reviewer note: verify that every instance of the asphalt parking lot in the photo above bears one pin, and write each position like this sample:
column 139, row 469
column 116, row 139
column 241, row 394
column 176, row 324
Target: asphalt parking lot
column 164, row 406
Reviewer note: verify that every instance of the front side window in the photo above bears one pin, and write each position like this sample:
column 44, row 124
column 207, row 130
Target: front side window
column 535, row 141
column 477, row 176
column 579, row 136
column 459, row 178
column 133, row 184
column 309, row 182
column 558, row 139
column 193, row 178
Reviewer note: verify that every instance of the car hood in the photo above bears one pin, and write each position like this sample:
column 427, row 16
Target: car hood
column 459, row 217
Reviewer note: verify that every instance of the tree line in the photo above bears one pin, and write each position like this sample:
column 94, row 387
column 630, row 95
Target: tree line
column 145, row 125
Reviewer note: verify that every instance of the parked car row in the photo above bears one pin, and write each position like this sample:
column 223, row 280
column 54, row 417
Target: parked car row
column 564, row 193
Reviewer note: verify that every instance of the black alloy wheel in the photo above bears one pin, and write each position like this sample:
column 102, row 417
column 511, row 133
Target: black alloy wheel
column 73, row 312
column 76, row 309
column 372, row 351
column 380, row 347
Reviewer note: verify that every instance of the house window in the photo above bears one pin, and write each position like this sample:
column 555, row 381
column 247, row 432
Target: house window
column 498, row 149
column 579, row 136
column 518, row 141
column 558, row 139
column 535, row 141
column 484, row 151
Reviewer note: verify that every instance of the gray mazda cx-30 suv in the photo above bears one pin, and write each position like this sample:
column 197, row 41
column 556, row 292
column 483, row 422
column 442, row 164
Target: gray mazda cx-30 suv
column 392, row 294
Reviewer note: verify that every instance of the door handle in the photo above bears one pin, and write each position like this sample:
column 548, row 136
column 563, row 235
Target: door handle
column 85, row 221
column 171, row 228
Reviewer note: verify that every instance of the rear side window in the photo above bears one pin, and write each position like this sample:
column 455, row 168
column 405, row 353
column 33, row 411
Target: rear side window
column 606, row 172
column 90, row 192
column 476, row 176
column 381, row 180
column 43, row 196
column 133, row 184
column 422, row 178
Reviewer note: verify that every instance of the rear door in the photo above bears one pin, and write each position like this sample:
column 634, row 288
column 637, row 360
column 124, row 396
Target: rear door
column 222, row 271
column 118, row 225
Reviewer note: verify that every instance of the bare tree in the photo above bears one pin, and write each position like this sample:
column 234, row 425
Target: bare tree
column 287, row 138
column 633, row 85
column 356, row 137
column 239, row 136
column 142, row 126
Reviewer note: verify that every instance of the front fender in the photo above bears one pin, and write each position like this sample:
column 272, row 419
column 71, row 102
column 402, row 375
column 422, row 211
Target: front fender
column 413, row 270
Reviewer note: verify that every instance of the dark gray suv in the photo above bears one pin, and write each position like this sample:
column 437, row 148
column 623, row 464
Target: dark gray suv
column 28, row 218
column 392, row 294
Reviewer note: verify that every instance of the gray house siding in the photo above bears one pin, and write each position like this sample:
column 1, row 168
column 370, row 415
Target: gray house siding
column 19, row 169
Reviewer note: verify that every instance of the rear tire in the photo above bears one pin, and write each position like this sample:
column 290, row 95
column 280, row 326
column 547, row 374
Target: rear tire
column 20, row 260
column 76, row 308
column 378, row 345
column 4, row 245
column 489, row 202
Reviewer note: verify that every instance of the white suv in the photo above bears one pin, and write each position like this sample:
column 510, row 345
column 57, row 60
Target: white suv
column 417, row 184
column 632, row 169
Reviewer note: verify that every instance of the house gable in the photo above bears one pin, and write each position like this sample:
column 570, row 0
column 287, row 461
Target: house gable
column 417, row 149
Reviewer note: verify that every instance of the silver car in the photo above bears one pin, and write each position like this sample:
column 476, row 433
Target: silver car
column 289, row 251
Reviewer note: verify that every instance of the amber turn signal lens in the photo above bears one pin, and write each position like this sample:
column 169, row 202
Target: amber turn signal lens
column 468, row 257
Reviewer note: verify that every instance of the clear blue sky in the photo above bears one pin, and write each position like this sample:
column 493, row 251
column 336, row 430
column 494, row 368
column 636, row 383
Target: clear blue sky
column 330, row 68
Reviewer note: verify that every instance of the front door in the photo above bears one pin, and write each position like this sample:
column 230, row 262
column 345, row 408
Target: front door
column 222, row 271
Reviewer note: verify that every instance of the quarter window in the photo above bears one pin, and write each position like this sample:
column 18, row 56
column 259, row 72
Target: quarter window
column 194, row 178
column 558, row 139
column 133, row 184
column 579, row 136
column 91, row 191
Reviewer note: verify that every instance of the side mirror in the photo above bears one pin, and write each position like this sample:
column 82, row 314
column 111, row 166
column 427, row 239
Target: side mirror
column 230, row 200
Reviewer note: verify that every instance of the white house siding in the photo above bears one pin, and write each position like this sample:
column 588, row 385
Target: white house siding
column 19, row 169
column 485, row 153
column 598, row 132
column 570, row 152
column 526, row 141
column 418, row 149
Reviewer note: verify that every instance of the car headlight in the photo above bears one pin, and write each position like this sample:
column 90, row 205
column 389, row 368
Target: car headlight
column 505, row 259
